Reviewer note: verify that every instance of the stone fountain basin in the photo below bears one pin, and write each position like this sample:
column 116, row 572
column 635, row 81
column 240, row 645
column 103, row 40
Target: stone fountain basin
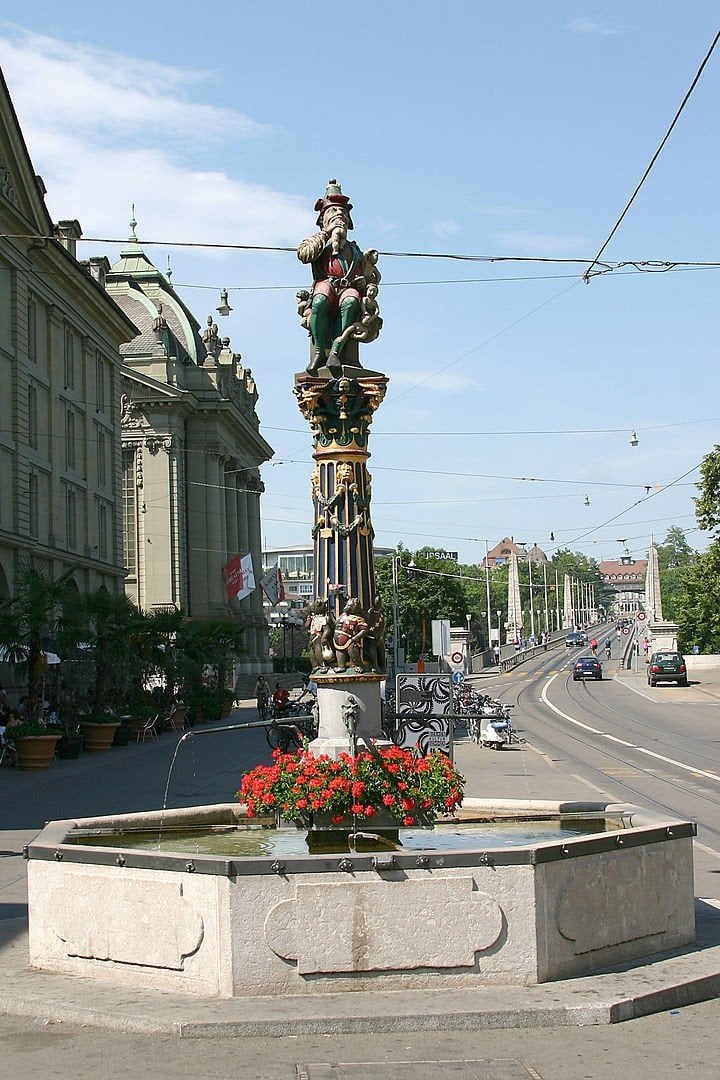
column 215, row 926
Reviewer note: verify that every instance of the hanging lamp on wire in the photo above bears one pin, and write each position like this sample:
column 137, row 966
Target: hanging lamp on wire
column 634, row 439
column 587, row 500
column 223, row 307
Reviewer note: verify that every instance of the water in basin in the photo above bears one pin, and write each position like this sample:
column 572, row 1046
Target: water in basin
column 248, row 840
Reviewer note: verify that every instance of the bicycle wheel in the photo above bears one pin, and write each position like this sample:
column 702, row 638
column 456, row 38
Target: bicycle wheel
column 273, row 734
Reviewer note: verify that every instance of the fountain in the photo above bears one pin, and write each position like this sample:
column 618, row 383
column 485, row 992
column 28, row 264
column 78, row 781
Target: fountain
column 429, row 915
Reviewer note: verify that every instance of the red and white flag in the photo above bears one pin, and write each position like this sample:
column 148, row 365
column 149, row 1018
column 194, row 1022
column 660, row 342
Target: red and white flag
column 239, row 576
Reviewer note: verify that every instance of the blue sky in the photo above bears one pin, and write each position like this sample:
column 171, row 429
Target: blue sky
column 517, row 129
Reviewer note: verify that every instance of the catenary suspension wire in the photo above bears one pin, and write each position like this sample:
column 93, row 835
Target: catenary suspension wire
column 616, row 226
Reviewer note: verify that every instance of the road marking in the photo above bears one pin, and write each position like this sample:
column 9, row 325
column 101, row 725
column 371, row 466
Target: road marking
column 613, row 738
column 655, row 701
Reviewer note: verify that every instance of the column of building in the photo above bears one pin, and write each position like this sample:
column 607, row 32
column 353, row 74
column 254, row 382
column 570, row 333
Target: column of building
column 260, row 631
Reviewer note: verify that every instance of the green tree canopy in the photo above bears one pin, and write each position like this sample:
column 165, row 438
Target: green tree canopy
column 674, row 556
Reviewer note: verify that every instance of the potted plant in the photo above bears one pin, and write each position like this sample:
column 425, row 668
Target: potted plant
column 39, row 611
column 35, row 744
column 98, row 731
column 383, row 788
column 70, row 743
column 123, row 732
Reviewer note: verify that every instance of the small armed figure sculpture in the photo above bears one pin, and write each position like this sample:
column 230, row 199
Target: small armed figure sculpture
column 343, row 303
column 320, row 626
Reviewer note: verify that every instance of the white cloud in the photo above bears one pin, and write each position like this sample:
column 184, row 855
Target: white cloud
column 445, row 227
column 524, row 242
column 116, row 130
column 590, row 26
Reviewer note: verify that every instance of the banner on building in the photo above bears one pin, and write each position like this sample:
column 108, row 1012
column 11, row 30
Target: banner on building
column 272, row 585
column 239, row 576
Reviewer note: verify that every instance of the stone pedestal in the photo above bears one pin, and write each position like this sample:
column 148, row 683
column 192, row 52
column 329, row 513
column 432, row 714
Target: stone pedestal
column 344, row 702
column 662, row 635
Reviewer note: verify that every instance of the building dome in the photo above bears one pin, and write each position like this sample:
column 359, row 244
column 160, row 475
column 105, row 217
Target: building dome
column 144, row 294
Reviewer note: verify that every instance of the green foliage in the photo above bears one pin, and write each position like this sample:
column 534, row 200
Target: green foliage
column 430, row 589
column 694, row 604
column 40, row 608
column 675, row 551
column 707, row 505
column 674, row 556
column 698, row 611
column 441, row 589
column 29, row 729
column 411, row 788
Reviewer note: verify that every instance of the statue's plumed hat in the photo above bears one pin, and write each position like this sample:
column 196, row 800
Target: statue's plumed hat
column 333, row 197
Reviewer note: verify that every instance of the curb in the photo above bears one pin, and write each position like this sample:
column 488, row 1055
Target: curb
column 661, row 983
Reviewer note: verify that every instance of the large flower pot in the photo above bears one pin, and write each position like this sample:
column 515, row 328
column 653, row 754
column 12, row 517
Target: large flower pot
column 378, row 833
column 69, row 747
column 35, row 751
column 122, row 735
column 98, row 736
column 137, row 723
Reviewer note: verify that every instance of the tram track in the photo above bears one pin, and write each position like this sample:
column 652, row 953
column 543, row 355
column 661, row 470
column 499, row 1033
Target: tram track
column 561, row 740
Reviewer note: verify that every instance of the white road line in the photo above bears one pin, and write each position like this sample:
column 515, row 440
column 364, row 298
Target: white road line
column 613, row 738
column 642, row 693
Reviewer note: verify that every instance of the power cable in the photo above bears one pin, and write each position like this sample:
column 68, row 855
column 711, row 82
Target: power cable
column 616, row 226
column 645, row 265
column 642, row 499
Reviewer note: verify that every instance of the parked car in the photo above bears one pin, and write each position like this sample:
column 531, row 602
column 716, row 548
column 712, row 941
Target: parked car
column 667, row 667
column 575, row 639
column 587, row 667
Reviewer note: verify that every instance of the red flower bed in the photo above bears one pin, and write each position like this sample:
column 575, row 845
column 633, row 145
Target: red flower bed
column 414, row 789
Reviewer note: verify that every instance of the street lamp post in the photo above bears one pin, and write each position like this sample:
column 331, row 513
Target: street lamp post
column 487, row 593
column 468, row 620
column 396, row 559
column 284, row 606
column 499, row 615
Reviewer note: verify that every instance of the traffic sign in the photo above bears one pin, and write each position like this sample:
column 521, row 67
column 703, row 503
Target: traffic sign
column 458, row 677
column 626, row 630
column 457, row 658
column 640, row 616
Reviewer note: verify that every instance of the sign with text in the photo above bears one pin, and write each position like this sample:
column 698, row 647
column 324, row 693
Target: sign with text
column 239, row 576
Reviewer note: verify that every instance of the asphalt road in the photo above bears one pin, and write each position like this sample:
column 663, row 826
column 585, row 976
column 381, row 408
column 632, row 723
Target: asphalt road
column 657, row 747
column 667, row 756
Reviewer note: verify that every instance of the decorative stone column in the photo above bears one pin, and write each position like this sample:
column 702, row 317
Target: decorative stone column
column 340, row 412
column 338, row 397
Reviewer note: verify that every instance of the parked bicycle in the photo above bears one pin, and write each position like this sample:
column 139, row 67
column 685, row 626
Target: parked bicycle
column 292, row 725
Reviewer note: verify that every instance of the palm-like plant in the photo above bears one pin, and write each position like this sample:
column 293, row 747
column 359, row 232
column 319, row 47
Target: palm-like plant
column 110, row 625
column 39, row 609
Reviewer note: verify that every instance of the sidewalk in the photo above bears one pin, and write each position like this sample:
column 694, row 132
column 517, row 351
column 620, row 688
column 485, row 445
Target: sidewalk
column 633, row 990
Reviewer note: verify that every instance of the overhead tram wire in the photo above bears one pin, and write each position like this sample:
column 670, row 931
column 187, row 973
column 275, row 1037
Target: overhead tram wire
column 588, row 273
column 647, row 265
column 643, row 499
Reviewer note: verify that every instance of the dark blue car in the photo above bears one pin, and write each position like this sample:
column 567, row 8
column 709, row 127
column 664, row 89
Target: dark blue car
column 587, row 667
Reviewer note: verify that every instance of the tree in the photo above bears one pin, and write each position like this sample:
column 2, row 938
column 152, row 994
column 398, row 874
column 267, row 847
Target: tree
column 697, row 612
column 707, row 505
column 695, row 608
column 39, row 608
column 675, row 551
column 110, row 626
column 674, row 555
column 430, row 588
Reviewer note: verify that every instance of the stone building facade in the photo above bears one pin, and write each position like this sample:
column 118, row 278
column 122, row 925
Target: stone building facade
column 191, row 451
column 60, row 334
